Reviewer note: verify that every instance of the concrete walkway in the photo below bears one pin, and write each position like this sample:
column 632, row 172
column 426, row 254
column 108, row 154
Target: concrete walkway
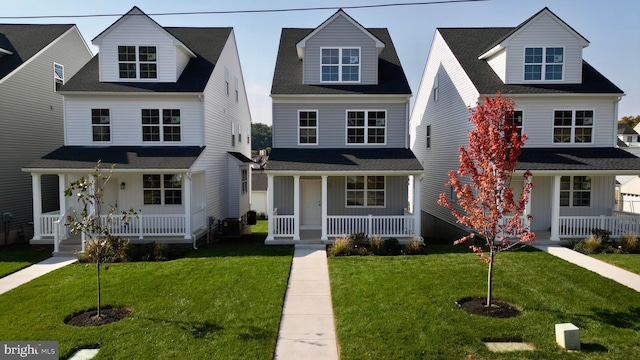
column 602, row 268
column 25, row 275
column 307, row 330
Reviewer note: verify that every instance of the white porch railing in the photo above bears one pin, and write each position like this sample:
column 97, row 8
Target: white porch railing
column 383, row 225
column 581, row 226
column 283, row 225
column 46, row 223
column 147, row 225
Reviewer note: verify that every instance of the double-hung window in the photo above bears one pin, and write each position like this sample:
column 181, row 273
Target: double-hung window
column 58, row 75
column 575, row 191
column 162, row 189
column 340, row 64
column 516, row 118
column 428, row 138
column 101, row 124
column 245, row 181
column 366, row 126
column 548, row 61
column 137, row 62
column 365, row 191
column 572, row 126
column 308, row 126
column 152, row 130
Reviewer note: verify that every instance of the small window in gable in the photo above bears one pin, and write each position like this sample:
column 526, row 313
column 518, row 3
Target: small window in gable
column 148, row 65
column 137, row 62
column 340, row 65
column 428, row 139
column 548, row 61
column 226, row 81
column 436, row 87
column 235, row 80
column 58, row 75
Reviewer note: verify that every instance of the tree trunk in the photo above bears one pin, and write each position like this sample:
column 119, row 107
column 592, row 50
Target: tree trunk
column 98, row 280
column 490, row 277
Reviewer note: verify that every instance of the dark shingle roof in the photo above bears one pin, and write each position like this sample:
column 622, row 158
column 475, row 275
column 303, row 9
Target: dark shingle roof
column 582, row 159
column 240, row 156
column 124, row 157
column 287, row 77
column 323, row 159
column 469, row 43
column 206, row 43
column 626, row 129
column 25, row 40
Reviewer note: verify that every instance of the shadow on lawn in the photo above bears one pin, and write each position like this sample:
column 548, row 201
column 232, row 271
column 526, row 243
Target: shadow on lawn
column 624, row 320
column 247, row 245
column 440, row 246
column 196, row 329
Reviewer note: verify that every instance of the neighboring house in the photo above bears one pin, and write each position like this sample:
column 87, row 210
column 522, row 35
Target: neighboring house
column 340, row 162
column 34, row 61
column 166, row 106
column 628, row 135
column 259, row 195
column 628, row 196
column 568, row 110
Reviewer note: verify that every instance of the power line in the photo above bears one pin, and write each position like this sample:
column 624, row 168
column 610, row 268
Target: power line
column 242, row 11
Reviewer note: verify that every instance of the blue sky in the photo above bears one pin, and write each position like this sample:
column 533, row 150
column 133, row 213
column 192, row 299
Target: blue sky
column 611, row 27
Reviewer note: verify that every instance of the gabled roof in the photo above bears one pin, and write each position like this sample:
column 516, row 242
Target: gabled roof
column 123, row 157
column 518, row 28
column 626, row 129
column 302, row 43
column 207, row 44
column 135, row 11
column 240, row 157
column 20, row 42
column 577, row 159
column 467, row 43
column 287, row 77
column 342, row 159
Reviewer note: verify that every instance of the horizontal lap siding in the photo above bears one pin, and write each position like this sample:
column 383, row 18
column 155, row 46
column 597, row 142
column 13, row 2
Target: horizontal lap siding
column 332, row 123
column 126, row 119
column 341, row 33
column 31, row 125
column 498, row 63
column 544, row 32
column 138, row 31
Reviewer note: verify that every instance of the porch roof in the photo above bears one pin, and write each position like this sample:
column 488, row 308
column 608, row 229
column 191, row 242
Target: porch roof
column 124, row 157
column 342, row 159
column 578, row 159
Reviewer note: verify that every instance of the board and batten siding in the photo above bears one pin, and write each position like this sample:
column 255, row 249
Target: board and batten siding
column 31, row 125
column 221, row 112
column 139, row 31
column 538, row 113
column 332, row 123
column 340, row 33
column 395, row 196
column 544, row 31
column 125, row 113
column 448, row 118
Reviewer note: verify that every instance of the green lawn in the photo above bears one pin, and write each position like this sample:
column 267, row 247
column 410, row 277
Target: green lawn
column 403, row 307
column 222, row 302
column 16, row 257
column 629, row 262
column 260, row 228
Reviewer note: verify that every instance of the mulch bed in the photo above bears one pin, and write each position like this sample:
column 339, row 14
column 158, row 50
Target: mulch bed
column 90, row 318
column 498, row 309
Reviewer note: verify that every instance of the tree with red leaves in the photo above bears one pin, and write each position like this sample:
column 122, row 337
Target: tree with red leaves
column 485, row 199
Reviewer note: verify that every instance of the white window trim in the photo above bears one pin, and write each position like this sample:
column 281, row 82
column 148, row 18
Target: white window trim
column 110, row 125
column 161, row 125
column 57, row 78
column 366, row 127
column 573, row 126
column 522, row 126
column 162, row 190
column 244, row 181
column 572, row 190
column 138, row 62
column 309, row 127
column 544, row 63
column 346, row 190
column 340, row 64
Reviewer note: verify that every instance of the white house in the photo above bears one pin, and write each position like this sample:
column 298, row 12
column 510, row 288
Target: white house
column 340, row 161
column 568, row 110
column 34, row 61
column 167, row 107
column 628, row 135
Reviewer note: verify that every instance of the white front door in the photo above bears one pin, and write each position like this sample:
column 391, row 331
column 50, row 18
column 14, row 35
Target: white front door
column 310, row 203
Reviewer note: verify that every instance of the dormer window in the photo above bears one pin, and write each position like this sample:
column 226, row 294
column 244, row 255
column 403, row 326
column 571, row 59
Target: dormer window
column 142, row 58
column 550, row 59
column 340, row 64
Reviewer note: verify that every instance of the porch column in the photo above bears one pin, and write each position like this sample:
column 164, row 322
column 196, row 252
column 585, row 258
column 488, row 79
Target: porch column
column 555, row 209
column 296, row 207
column 187, row 206
column 36, row 189
column 270, row 207
column 323, row 236
column 62, row 185
column 417, row 194
column 527, row 209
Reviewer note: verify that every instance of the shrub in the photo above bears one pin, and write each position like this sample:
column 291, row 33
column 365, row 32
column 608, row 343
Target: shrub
column 341, row 247
column 113, row 249
column 160, row 252
column 376, row 245
column 629, row 243
column 591, row 245
column 604, row 235
column 392, row 246
column 359, row 240
column 413, row 247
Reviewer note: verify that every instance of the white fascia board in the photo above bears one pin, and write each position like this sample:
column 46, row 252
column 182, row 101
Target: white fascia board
column 145, row 93
column 551, row 95
column 344, row 173
column 309, row 98
column 91, row 170
column 496, row 49
column 538, row 173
